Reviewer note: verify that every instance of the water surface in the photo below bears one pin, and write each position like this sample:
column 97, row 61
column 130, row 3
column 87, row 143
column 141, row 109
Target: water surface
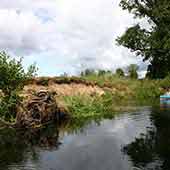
column 136, row 140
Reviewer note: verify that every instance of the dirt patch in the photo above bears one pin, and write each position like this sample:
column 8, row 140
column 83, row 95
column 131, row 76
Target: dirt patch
column 74, row 86
column 65, row 89
column 46, row 81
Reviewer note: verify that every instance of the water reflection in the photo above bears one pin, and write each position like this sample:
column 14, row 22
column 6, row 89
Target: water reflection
column 151, row 151
column 135, row 140
column 12, row 149
column 77, row 125
column 17, row 146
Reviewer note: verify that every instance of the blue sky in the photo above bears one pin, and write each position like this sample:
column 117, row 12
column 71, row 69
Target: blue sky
column 66, row 36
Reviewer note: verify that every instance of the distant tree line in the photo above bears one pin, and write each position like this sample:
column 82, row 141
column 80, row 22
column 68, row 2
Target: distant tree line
column 132, row 72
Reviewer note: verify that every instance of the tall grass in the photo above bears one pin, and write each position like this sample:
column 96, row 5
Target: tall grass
column 86, row 106
column 132, row 89
column 119, row 92
column 148, row 90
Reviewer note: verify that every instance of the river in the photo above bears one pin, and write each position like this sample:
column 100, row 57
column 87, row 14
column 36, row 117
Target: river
column 132, row 140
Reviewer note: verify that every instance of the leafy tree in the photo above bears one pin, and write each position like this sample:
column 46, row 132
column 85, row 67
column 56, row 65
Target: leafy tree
column 153, row 44
column 12, row 79
column 87, row 72
column 132, row 71
column 102, row 72
column 120, row 72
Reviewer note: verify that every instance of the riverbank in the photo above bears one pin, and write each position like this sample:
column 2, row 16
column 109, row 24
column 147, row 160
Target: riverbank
column 49, row 98
column 97, row 95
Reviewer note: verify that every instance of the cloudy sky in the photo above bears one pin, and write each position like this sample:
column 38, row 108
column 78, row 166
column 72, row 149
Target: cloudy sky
column 65, row 36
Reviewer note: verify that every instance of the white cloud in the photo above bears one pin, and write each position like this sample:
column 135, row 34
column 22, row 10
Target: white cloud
column 71, row 34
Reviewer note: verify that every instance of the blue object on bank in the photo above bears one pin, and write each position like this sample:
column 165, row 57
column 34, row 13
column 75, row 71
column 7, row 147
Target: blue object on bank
column 165, row 100
column 165, row 97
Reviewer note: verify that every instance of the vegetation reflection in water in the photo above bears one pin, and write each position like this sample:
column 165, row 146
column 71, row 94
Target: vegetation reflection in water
column 151, row 151
column 17, row 146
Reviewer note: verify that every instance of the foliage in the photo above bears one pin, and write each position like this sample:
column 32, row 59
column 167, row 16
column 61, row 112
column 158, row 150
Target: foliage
column 147, row 91
column 165, row 83
column 151, row 43
column 12, row 79
column 104, row 72
column 87, row 106
column 120, row 72
column 8, row 107
column 126, row 90
column 87, row 72
column 132, row 71
column 100, row 72
column 12, row 74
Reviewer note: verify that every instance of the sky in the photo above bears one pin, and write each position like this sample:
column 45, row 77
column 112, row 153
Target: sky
column 66, row 36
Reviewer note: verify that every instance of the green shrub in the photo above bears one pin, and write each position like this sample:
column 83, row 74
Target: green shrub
column 147, row 91
column 120, row 72
column 12, row 79
column 165, row 83
column 132, row 71
column 87, row 72
column 8, row 107
column 87, row 106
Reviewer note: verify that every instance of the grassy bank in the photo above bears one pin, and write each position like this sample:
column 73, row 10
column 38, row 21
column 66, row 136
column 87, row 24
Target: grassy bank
column 91, row 94
column 86, row 106
column 120, row 87
column 100, row 96
column 131, row 89
column 120, row 94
